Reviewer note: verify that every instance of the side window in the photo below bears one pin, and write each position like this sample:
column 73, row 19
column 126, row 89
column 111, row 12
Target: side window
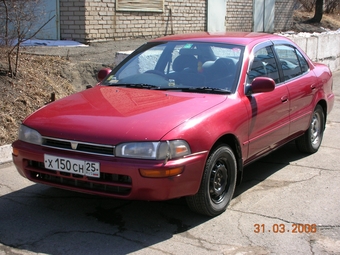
column 292, row 62
column 302, row 62
column 264, row 65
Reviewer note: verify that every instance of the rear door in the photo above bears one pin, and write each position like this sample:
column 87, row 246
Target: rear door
column 301, row 84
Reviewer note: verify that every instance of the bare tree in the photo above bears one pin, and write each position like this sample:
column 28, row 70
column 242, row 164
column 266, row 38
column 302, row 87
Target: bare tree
column 4, row 10
column 331, row 5
column 20, row 17
column 307, row 5
column 318, row 12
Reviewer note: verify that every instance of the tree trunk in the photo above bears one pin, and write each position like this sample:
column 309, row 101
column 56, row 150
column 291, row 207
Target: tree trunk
column 318, row 12
column 6, row 23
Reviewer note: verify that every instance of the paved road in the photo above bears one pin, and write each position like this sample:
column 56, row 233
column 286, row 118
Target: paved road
column 279, row 192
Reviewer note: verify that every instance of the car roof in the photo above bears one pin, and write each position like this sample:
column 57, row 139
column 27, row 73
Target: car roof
column 240, row 38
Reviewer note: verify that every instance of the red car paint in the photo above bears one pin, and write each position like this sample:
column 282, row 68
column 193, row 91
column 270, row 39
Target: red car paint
column 254, row 124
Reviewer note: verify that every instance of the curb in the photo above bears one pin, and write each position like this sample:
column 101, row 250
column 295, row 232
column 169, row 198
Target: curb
column 5, row 153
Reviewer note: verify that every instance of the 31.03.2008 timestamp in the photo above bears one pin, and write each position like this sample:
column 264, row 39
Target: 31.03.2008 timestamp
column 285, row 228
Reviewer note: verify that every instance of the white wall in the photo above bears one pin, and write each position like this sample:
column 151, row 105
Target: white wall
column 320, row 47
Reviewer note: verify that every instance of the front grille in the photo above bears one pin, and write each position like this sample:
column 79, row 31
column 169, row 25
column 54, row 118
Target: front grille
column 91, row 148
column 109, row 184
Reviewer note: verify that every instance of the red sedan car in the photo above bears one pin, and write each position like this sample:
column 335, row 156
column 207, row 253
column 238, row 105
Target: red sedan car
column 179, row 117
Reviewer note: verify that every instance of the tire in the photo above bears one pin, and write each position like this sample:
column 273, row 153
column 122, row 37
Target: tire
column 217, row 185
column 310, row 141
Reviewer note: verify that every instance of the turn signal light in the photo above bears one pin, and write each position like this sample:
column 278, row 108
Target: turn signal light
column 15, row 151
column 160, row 173
column 181, row 149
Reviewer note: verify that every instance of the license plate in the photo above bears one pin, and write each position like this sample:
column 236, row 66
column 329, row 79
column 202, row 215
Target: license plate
column 73, row 166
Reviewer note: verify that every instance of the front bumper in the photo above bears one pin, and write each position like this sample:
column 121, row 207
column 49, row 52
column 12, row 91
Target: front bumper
column 119, row 177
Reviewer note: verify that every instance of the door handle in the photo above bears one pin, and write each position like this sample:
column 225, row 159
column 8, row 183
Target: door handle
column 284, row 99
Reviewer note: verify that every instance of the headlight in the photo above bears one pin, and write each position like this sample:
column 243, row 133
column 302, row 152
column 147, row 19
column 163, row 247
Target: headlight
column 153, row 150
column 29, row 135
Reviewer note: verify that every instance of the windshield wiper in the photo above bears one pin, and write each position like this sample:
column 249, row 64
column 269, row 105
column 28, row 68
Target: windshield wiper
column 184, row 89
column 207, row 89
column 138, row 85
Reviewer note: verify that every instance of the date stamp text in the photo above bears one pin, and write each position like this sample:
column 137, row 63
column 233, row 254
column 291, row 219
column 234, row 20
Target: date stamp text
column 285, row 228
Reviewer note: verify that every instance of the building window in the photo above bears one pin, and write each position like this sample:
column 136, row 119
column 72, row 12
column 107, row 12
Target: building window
column 140, row 5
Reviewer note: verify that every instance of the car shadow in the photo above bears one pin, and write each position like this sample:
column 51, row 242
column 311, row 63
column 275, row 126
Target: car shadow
column 261, row 169
column 42, row 219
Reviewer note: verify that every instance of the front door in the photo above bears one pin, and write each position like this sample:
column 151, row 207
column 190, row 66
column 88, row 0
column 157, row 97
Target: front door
column 216, row 15
column 269, row 124
column 48, row 9
column 264, row 14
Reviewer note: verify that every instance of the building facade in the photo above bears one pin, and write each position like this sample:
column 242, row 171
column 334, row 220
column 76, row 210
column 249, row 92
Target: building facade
column 101, row 20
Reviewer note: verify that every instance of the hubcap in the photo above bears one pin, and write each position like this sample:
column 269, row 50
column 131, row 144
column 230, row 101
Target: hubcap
column 218, row 182
column 315, row 129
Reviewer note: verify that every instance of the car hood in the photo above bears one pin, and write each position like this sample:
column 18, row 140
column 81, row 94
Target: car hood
column 110, row 115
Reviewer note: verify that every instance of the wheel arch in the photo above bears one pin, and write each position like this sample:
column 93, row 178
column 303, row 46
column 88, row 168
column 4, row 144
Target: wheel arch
column 323, row 104
column 233, row 142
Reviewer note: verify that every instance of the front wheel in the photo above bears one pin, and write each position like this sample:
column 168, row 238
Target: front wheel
column 310, row 141
column 218, row 183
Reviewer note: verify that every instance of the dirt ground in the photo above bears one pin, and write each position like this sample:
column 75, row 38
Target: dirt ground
column 328, row 22
column 64, row 70
column 47, row 70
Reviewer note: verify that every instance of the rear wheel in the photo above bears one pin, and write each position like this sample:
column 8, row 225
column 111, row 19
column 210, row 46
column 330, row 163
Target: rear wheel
column 310, row 141
column 218, row 183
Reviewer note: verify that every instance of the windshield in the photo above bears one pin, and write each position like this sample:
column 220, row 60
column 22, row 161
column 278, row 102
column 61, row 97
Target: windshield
column 186, row 66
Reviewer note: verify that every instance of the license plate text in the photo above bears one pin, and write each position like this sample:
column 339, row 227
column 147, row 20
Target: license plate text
column 73, row 166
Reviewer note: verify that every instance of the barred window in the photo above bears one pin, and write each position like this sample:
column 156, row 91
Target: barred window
column 140, row 5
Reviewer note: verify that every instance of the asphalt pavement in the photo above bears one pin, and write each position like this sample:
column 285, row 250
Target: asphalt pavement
column 288, row 203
